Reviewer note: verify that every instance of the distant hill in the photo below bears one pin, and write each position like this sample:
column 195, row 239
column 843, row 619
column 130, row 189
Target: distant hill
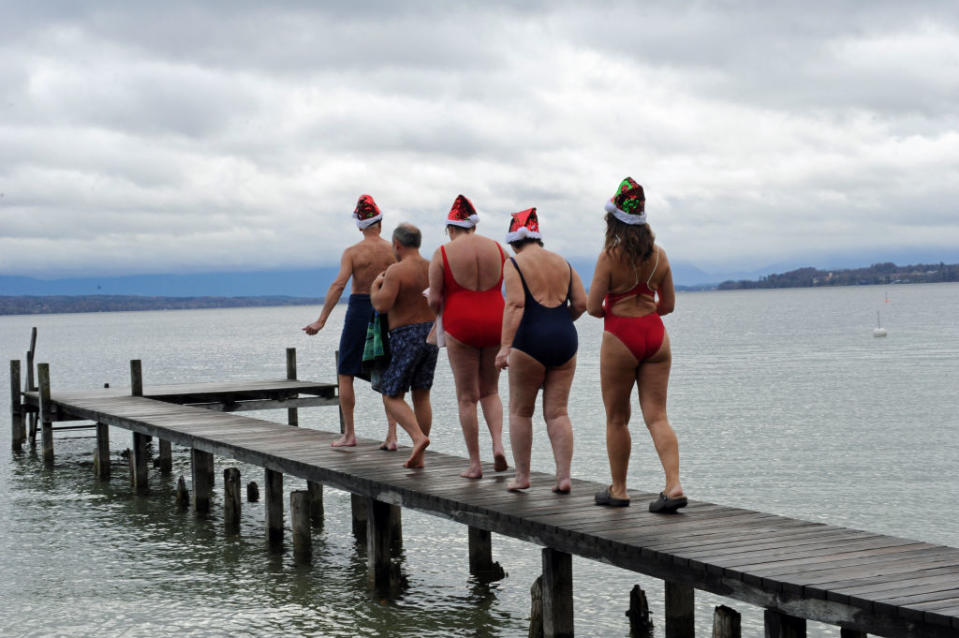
column 883, row 273
column 64, row 304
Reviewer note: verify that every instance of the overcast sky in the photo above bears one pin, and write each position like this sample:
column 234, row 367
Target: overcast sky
column 161, row 137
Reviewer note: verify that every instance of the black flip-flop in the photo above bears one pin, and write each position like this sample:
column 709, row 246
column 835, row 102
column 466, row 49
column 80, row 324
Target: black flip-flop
column 666, row 505
column 605, row 498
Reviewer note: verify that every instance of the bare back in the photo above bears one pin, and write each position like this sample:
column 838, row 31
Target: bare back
column 547, row 275
column 475, row 261
column 410, row 306
column 369, row 258
column 625, row 275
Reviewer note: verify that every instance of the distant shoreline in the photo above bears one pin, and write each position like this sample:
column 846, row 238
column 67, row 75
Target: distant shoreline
column 68, row 304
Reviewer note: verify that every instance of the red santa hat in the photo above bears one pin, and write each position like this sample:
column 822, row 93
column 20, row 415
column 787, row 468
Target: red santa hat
column 524, row 225
column 366, row 212
column 462, row 213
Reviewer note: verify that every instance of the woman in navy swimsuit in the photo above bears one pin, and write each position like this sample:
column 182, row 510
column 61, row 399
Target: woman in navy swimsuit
column 544, row 295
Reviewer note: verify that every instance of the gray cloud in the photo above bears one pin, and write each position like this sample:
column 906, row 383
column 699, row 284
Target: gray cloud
column 136, row 137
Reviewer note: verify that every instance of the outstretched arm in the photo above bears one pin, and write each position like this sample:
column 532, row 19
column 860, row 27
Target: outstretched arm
column 333, row 294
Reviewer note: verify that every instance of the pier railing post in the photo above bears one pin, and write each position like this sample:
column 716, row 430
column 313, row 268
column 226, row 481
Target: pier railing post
column 136, row 377
column 300, row 516
column 292, row 415
column 46, row 412
column 680, row 617
column 101, row 455
column 17, row 432
column 780, row 625
column 273, row 486
column 481, row 556
column 557, row 593
column 231, row 500
column 202, row 469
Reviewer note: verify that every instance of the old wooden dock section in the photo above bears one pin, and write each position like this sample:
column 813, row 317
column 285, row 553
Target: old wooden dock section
column 794, row 569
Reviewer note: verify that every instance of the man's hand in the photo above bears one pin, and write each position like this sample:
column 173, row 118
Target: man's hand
column 378, row 282
column 314, row 327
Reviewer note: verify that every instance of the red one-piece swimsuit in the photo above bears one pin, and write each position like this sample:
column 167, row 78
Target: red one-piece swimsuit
column 473, row 317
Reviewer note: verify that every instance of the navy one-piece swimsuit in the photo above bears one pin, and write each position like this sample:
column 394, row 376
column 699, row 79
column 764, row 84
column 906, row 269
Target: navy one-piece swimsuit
column 546, row 334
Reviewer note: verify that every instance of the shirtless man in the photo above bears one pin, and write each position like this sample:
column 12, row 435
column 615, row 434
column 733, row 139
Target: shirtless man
column 361, row 261
column 399, row 292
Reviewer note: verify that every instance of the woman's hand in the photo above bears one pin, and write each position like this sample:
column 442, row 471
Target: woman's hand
column 502, row 358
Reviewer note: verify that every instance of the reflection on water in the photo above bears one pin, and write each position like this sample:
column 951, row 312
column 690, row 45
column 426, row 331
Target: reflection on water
column 781, row 399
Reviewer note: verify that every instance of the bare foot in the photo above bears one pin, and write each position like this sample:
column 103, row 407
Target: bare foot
column 472, row 472
column 416, row 456
column 389, row 445
column 344, row 441
column 499, row 462
column 563, row 486
column 516, row 485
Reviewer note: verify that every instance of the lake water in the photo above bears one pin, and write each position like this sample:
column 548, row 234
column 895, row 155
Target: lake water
column 782, row 399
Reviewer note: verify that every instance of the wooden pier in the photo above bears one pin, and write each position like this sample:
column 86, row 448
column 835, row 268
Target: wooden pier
column 796, row 570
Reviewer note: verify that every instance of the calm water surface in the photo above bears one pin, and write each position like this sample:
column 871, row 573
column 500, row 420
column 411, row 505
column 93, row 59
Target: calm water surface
column 782, row 399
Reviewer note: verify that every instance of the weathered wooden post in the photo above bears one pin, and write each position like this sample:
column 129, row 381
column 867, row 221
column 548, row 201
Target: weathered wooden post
column 292, row 415
column 46, row 412
column 182, row 494
column 31, row 384
column 136, row 377
column 779, row 625
column 359, row 516
column 17, row 432
column 680, row 617
column 316, row 503
column 727, row 623
column 166, row 456
column 640, row 618
column 536, row 609
column 252, row 492
column 383, row 574
column 202, row 468
column 273, row 484
column 101, row 455
column 851, row 633
column 557, row 593
column 231, row 500
column 300, row 515
column 140, row 460
column 481, row 556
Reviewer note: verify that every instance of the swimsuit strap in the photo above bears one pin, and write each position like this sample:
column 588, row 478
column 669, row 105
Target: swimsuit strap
column 569, row 289
column 655, row 266
column 521, row 278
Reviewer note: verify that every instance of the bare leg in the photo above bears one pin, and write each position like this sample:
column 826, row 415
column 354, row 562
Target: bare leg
column 617, row 376
column 653, row 378
column 558, row 427
column 492, row 406
column 407, row 420
column 423, row 409
column 390, row 443
column 347, row 405
column 464, row 362
column 525, row 378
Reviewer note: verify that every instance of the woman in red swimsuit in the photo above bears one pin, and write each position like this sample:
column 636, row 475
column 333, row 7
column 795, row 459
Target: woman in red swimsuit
column 630, row 273
column 466, row 279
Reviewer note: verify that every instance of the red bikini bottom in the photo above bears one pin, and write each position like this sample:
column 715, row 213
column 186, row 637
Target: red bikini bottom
column 642, row 335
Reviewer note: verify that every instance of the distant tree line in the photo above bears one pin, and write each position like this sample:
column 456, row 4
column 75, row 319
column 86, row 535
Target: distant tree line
column 30, row 305
column 884, row 273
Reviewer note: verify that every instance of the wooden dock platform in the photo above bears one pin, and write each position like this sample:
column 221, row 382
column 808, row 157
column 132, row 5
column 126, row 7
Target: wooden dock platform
column 796, row 570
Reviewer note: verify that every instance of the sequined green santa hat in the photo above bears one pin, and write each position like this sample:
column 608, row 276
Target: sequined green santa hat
column 462, row 213
column 366, row 212
column 523, row 225
column 628, row 205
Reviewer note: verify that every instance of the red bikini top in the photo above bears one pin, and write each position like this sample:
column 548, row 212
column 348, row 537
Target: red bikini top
column 452, row 286
column 641, row 288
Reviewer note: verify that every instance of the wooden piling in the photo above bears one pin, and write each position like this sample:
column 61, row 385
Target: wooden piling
column 536, row 609
column 727, row 623
column 141, row 462
column 292, row 414
column 166, row 456
column 202, row 469
column 231, row 500
column 557, row 593
column 182, row 494
column 851, row 633
column 482, row 565
column 252, row 492
column 273, row 484
column 136, row 378
column 18, row 433
column 46, row 418
column 101, row 455
column 779, row 625
column 359, row 516
column 380, row 522
column 316, row 503
column 640, row 618
column 31, row 384
column 680, row 617
column 301, row 523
